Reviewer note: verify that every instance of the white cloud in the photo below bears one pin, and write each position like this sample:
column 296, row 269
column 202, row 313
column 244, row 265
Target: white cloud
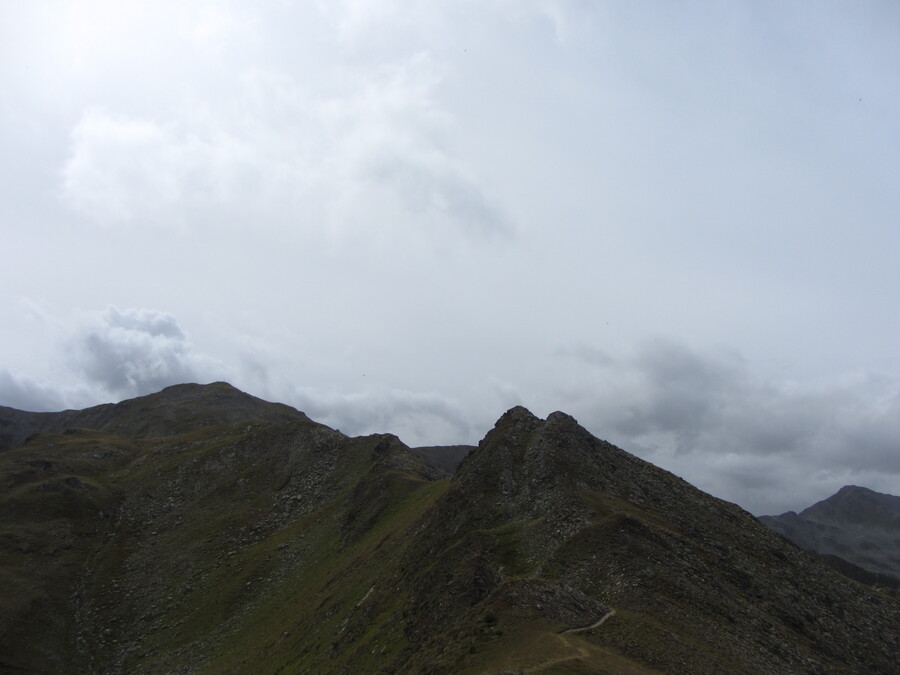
column 131, row 171
column 277, row 154
column 392, row 136
column 210, row 26
column 359, row 23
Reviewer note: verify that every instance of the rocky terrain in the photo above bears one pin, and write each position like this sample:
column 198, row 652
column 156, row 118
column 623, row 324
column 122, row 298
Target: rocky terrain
column 856, row 530
column 201, row 530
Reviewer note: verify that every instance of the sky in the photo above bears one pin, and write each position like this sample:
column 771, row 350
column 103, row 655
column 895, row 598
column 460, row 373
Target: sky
column 677, row 222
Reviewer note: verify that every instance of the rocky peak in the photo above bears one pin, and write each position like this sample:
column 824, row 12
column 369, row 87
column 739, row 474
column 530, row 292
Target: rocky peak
column 560, row 418
column 519, row 428
column 518, row 417
column 517, row 412
column 857, row 505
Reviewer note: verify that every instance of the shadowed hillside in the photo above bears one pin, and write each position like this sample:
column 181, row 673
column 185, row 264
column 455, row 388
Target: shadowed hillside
column 444, row 457
column 201, row 530
column 857, row 529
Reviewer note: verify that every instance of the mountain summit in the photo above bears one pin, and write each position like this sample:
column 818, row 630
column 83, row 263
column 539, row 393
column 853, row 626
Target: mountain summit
column 178, row 408
column 855, row 524
column 201, row 530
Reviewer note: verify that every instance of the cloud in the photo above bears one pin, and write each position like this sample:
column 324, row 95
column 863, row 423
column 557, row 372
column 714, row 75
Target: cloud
column 115, row 353
column 393, row 136
column 555, row 13
column 125, row 171
column 26, row 393
column 133, row 352
column 210, row 27
column 766, row 444
column 355, row 23
column 416, row 417
column 586, row 354
column 372, row 147
column 37, row 394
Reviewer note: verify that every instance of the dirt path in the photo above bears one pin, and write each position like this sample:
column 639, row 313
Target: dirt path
column 571, row 645
column 599, row 622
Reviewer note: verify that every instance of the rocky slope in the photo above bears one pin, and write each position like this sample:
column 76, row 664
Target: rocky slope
column 856, row 524
column 200, row 530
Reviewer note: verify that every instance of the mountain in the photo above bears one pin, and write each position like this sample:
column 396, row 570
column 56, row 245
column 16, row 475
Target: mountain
column 201, row 530
column 855, row 525
column 443, row 457
column 171, row 411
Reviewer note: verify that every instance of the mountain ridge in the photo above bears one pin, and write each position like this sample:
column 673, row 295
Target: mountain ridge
column 856, row 524
column 220, row 402
column 199, row 531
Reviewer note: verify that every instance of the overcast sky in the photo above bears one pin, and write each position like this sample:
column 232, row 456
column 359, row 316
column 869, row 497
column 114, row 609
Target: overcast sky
column 678, row 222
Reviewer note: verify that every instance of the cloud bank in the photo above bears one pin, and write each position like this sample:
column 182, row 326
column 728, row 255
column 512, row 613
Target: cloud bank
column 114, row 354
column 25, row 393
column 766, row 444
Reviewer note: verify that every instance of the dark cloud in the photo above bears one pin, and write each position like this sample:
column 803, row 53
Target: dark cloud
column 133, row 352
column 767, row 445
column 870, row 440
column 25, row 393
column 675, row 391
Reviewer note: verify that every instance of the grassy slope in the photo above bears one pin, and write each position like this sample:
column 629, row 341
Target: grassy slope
column 183, row 550
column 285, row 547
column 230, row 590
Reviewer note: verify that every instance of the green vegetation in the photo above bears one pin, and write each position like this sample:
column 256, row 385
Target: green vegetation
column 202, row 532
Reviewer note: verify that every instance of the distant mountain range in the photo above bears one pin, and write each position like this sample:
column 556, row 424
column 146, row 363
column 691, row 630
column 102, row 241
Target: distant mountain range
column 445, row 458
column 202, row 530
column 856, row 530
